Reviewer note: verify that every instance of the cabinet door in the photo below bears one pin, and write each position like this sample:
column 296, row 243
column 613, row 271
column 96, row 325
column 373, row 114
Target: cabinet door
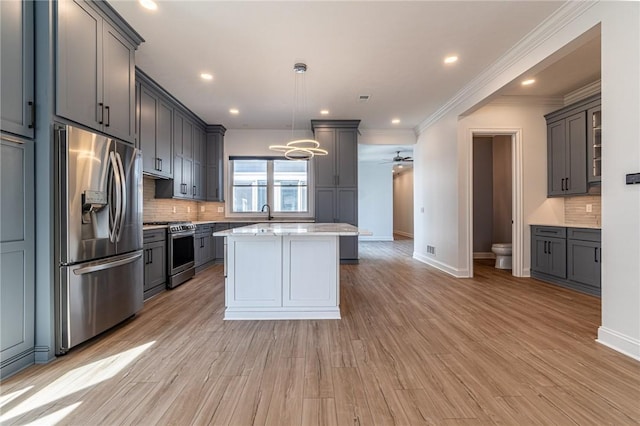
column 198, row 249
column 347, row 157
column 325, row 165
column 218, row 242
column 187, row 177
column 118, row 84
column 325, row 205
column 347, row 206
column 164, row 139
column 584, row 262
column 539, row 257
column 594, row 144
column 576, row 154
column 556, row 157
column 147, row 134
column 17, row 245
column 155, row 268
column 557, row 253
column 254, row 274
column 17, row 78
column 79, row 63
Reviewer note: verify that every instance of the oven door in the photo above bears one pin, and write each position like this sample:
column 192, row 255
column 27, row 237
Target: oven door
column 181, row 253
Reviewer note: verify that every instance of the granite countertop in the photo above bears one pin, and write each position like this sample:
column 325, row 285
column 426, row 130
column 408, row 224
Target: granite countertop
column 318, row 229
column 568, row 225
column 252, row 220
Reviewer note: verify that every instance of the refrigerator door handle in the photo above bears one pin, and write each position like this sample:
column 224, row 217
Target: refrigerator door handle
column 101, row 266
column 123, row 204
column 115, row 171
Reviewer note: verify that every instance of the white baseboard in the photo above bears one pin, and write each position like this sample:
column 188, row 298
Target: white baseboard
column 374, row 238
column 619, row 342
column 526, row 273
column 404, row 234
column 458, row 273
column 483, row 255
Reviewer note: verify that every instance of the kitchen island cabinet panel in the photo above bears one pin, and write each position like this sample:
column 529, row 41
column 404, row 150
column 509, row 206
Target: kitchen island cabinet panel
column 17, row 75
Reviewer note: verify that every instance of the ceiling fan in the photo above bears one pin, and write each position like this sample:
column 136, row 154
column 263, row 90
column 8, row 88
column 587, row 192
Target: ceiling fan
column 400, row 159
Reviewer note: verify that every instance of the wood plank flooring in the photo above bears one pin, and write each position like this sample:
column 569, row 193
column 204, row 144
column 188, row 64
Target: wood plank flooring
column 414, row 347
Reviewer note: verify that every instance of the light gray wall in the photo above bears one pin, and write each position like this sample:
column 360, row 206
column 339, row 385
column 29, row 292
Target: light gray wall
column 403, row 203
column 502, row 189
column 375, row 200
column 482, row 194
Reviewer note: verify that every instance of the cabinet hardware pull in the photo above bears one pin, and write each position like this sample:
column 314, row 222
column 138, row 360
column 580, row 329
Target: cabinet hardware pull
column 194, row 191
column 108, row 115
column 562, row 185
column 549, row 247
column 545, row 248
column 595, row 255
column 101, row 105
column 32, row 109
column 160, row 161
column 566, row 183
column 150, row 256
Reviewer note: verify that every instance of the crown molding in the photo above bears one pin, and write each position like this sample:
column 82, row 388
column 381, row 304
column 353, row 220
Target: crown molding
column 550, row 26
column 528, row 100
column 583, row 92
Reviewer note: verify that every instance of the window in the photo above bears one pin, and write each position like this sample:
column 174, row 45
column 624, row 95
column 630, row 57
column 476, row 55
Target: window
column 283, row 184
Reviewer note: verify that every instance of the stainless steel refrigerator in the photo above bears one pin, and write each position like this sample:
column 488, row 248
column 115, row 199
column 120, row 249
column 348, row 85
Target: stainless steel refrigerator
column 98, row 234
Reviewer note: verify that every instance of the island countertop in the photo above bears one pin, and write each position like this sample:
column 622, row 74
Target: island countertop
column 320, row 229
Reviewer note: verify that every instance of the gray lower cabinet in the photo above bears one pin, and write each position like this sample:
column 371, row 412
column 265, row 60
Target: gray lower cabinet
column 17, row 256
column 155, row 261
column 218, row 242
column 584, row 255
column 203, row 245
column 569, row 257
column 17, row 75
column 339, row 205
column 95, row 68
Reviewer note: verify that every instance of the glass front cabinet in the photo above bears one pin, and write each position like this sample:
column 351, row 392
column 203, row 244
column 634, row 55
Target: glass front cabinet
column 594, row 144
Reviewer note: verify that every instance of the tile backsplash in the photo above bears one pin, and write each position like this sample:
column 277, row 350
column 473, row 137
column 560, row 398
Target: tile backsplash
column 575, row 210
column 162, row 210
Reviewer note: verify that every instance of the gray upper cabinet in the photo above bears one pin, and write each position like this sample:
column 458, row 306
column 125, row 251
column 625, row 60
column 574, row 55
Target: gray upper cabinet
column 214, row 162
column 567, row 140
column 17, row 50
column 155, row 133
column 199, row 164
column 17, row 255
column 95, row 63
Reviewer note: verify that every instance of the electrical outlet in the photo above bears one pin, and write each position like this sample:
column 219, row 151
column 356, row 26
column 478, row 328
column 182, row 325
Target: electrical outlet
column 173, row 209
column 188, row 209
column 421, row 209
column 220, row 209
column 589, row 208
column 202, row 209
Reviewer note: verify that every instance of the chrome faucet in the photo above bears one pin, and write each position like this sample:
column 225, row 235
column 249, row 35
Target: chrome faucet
column 269, row 217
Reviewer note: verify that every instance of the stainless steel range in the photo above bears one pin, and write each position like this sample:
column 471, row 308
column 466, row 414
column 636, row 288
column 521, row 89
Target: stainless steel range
column 181, row 261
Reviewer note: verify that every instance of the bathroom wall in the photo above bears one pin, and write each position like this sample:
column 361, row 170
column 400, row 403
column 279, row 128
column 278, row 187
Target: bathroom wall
column 575, row 210
column 502, row 189
column 482, row 194
column 161, row 210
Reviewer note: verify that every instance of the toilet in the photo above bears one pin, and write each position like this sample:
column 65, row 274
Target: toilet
column 503, row 255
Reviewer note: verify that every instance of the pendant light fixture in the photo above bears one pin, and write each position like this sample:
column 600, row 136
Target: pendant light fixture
column 300, row 149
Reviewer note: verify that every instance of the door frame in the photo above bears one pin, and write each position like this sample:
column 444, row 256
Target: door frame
column 517, row 232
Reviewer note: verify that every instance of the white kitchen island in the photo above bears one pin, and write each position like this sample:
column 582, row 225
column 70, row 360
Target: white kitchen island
column 283, row 270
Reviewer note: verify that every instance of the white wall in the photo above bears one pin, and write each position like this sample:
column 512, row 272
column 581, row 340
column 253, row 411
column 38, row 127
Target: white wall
column 442, row 160
column 375, row 200
column 403, row 209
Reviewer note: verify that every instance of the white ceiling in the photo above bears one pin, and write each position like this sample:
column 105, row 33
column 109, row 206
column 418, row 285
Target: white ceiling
column 390, row 50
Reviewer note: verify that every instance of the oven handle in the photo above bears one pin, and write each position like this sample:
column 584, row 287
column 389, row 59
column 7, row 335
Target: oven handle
column 182, row 234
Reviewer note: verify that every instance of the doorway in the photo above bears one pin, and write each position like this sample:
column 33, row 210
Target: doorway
column 495, row 195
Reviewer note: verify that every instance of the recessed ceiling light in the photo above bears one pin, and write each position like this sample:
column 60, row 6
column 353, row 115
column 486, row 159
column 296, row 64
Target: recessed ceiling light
column 234, row 111
column 450, row 59
column 528, row 82
column 206, row 76
column 395, row 121
column 148, row 4
column 324, row 112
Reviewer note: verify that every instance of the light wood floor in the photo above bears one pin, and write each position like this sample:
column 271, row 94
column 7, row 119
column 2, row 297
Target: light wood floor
column 414, row 347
